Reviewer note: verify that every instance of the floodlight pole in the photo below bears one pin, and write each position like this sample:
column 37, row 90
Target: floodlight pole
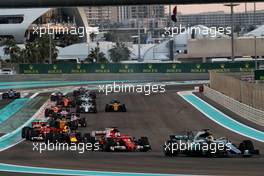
column 232, row 5
column 139, row 38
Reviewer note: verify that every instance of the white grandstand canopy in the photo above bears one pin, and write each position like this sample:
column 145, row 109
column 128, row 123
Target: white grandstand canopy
column 259, row 32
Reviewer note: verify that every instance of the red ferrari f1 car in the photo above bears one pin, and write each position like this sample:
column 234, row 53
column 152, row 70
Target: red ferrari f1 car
column 111, row 140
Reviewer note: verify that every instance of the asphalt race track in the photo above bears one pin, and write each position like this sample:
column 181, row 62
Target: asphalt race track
column 156, row 116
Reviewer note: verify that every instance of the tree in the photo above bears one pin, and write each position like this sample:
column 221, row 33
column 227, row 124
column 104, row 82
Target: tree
column 69, row 39
column 31, row 53
column 96, row 56
column 34, row 52
column 44, row 45
column 119, row 53
column 12, row 49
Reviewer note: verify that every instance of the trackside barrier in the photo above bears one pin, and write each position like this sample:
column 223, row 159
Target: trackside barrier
column 243, row 110
column 134, row 68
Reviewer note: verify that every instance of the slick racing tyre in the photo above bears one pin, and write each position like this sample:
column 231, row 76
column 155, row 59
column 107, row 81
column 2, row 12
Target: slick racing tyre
column 88, row 139
column 24, row 132
column 124, row 108
column 143, row 141
column 107, row 108
column 109, row 144
column 5, row 96
column 82, row 122
column 246, row 145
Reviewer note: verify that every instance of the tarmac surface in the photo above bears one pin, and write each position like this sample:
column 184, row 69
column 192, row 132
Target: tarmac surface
column 105, row 76
column 156, row 116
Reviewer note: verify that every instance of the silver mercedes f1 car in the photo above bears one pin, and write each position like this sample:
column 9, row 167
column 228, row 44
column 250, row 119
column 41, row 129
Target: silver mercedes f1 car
column 202, row 143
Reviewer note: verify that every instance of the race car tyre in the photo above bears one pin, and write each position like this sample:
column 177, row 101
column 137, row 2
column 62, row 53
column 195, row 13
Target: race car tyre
column 93, row 95
column 73, row 104
column 143, row 141
column 30, row 134
column 107, row 108
column 48, row 138
column 17, row 95
column 123, row 108
column 88, row 139
column 47, row 112
column 76, row 93
column 82, row 122
column 246, row 145
column 5, row 96
column 79, row 102
column 78, row 110
column 79, row 137
column 53, row 98
column 74, row 125
column 109, row 143
column 56, row 137
column 24, row 132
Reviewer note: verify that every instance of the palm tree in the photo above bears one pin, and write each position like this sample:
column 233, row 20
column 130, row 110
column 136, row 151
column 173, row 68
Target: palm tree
column 68, row 39
column 12, row 49
column 96, row 56
column 32, row 53
column 119, row 53
column 44, row 45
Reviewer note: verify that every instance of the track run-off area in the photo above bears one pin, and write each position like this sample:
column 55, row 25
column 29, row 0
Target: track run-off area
column 156, row 116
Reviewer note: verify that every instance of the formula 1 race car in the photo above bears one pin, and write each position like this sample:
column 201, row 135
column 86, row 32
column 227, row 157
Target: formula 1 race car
column 85, row 98
column 115, row 106
column 83, row 91
column 69, row 138
column 73, row 120
column 111, row 140
column 11, row 94
column 38, row 131
column 202, row 143
column 86, row 107
column 66, row 102
column 56, row 96
column 55, row 111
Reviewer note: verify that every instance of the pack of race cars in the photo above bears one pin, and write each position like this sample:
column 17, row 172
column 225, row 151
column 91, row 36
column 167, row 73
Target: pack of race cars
column 64, row 120
column 62, row 124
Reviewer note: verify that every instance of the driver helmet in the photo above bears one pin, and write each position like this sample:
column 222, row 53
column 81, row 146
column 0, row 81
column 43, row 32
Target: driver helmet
column 210, row 138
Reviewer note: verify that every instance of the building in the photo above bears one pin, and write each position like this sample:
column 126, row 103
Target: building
column 222, row 19
column 19, row 24
column 123, row 15
column 100, row 16
column 147, row 11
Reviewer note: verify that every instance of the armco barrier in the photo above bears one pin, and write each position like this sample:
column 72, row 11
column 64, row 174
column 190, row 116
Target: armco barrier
column 243, row 110
column 69, row 68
